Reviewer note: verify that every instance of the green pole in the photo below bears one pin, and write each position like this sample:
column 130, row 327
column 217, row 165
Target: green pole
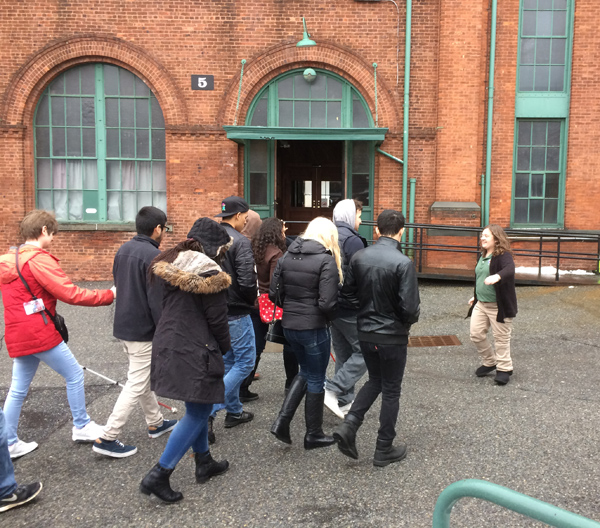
column 490, row 115
column 413, row 184
column 513, row 500
column 406, row 104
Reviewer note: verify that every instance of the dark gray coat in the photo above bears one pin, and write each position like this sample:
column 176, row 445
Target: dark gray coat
column 193, row 333
column 308, row 287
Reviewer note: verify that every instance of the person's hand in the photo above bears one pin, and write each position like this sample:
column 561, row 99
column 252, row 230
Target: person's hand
column 114, row 290
column 492, row 279
column 471, row 301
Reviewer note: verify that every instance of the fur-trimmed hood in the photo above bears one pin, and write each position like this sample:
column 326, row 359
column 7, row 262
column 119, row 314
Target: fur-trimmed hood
column 193, row 272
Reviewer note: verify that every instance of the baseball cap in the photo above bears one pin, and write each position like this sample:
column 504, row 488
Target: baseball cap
column 233, row 205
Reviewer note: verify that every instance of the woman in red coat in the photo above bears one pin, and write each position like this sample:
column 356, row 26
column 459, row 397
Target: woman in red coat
column 30, row 334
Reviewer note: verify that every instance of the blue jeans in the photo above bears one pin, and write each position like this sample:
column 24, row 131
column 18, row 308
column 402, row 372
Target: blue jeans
column 312, row 348
column 190, row 431
column 239, row 362
column 8, row 484
column 61, row 360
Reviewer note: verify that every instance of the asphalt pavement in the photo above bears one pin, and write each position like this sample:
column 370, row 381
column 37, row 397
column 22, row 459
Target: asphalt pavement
column 537, row 435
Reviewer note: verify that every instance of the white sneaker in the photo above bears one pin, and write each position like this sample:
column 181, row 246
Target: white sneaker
column 20, row 448
column 345, row 409
column 331, row 402
column 88, row 433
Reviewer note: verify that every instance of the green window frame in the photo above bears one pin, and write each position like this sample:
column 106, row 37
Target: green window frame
column 539, row 175
column 329, row 101
column 99, row 139
column 543, row 46
column 542, row 104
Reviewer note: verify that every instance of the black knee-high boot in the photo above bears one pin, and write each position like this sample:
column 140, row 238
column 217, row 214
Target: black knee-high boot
column 313, row 412
column 281, row 426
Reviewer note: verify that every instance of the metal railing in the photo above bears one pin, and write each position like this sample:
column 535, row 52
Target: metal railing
column 508, row 498
column 542, row 239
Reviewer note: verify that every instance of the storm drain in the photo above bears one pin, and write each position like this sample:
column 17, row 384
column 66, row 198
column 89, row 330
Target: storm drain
column 433, row 341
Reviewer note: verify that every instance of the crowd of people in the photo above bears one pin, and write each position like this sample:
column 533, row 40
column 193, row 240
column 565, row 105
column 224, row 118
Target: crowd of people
column 191, row 326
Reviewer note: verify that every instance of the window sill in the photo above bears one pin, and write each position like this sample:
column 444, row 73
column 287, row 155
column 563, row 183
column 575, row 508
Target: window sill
column 82, row 226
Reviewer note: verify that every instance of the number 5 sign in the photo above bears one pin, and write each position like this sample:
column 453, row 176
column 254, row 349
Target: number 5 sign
column 203, row 82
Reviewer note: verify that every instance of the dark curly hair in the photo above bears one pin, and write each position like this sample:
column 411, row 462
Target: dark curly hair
column 269, row 234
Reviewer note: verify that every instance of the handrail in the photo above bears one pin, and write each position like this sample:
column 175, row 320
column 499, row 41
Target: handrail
column 553, row 244
column 508, row 498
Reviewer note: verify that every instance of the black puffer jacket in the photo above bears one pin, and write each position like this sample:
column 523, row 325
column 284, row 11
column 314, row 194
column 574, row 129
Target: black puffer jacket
column 193, row 332
column 239, row 263
column 385, row 282
column 308, row 287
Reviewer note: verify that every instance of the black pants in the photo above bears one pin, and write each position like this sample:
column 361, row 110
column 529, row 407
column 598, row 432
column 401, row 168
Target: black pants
column 385, row 365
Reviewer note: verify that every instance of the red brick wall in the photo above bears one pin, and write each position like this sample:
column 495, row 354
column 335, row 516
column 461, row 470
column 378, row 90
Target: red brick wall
column 165, row 43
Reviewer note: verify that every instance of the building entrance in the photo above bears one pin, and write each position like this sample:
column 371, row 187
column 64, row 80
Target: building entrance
column 310, row 180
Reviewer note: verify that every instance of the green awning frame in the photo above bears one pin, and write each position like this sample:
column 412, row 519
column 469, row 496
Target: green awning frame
column 240, row 134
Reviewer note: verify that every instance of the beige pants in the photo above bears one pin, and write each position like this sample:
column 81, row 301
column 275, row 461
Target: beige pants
column 483, row 316
column 137, row 389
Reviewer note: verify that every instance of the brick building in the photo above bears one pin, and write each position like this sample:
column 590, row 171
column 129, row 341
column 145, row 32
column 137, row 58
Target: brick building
column 108, row 106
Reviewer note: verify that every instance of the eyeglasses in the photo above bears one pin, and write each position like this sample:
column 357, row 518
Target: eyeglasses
column 167, row 228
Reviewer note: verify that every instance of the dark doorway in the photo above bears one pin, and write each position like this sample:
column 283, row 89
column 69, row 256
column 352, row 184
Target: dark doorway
column 310, row 180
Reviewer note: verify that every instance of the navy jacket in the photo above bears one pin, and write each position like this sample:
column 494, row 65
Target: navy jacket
column 350, row 242
column 138, row 305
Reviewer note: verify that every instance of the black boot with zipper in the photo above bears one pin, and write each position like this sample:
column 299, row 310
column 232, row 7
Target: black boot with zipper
column 281, row 426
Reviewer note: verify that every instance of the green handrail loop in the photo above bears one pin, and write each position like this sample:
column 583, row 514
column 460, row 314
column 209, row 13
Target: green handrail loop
column 508, row 498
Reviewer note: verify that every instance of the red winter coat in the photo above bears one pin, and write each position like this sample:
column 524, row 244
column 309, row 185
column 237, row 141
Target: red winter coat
column 29, row 334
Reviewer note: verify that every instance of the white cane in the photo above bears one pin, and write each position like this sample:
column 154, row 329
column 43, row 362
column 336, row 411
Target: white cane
column 114, row 382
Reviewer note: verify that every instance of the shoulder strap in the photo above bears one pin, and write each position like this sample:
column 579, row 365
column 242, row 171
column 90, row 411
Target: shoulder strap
column 29, row 289
column 20, row 275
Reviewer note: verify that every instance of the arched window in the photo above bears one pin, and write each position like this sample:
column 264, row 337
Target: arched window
column 99, row 146
column 321, row 101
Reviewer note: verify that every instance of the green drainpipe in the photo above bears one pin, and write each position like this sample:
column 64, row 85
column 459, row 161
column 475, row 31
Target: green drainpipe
column 406, row 105
column 490, row 117
column 411, row 217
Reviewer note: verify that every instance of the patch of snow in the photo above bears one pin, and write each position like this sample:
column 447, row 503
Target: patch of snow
column 551, row 270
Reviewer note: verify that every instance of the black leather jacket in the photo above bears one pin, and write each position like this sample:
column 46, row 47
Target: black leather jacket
column 239, row 263
column 385, row 282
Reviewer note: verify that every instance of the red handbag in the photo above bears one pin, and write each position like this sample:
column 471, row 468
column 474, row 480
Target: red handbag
column 268, row 311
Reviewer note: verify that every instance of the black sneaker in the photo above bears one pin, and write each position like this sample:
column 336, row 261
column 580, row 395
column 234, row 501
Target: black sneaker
column 247, row 396
column 484, row 371
column 231, row 420
column 22, row 495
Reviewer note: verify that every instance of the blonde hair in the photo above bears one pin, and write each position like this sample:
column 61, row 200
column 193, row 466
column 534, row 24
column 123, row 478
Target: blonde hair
column 324, row 232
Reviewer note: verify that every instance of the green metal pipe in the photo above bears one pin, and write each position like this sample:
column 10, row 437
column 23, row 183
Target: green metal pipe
column 490, row 116
column 513, row 500
column 482, row 209
column 411, row 220
column 407, row 46
column 387, row 154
